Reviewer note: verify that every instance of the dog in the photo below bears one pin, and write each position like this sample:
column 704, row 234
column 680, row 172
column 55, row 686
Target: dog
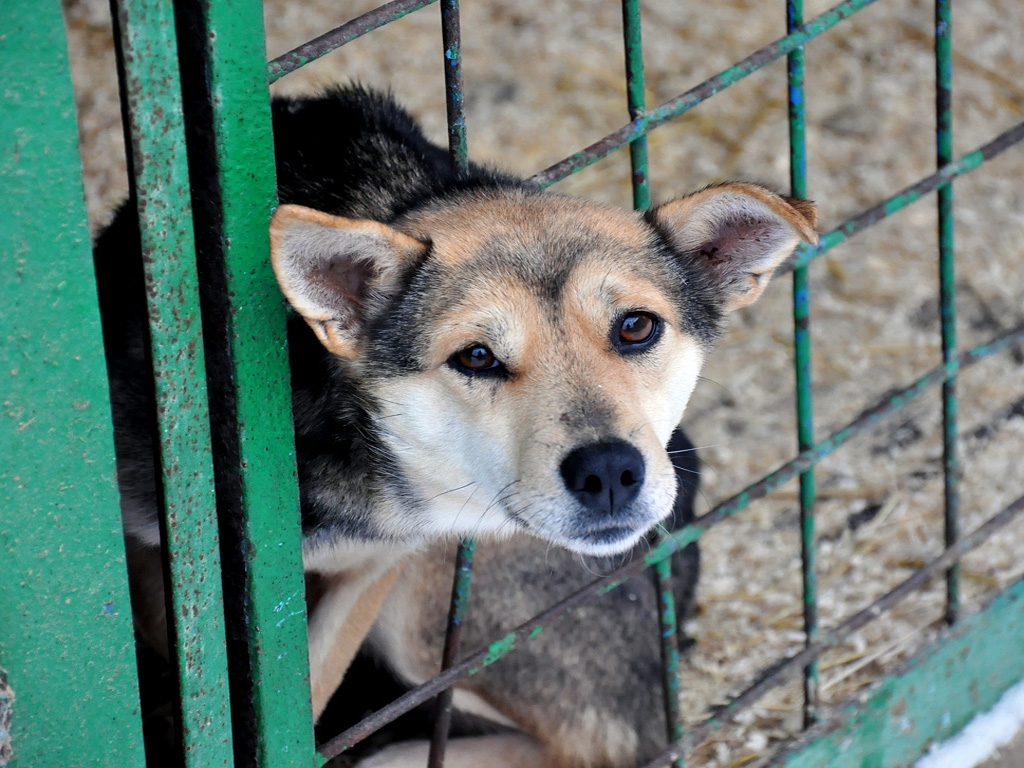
column 472, row 357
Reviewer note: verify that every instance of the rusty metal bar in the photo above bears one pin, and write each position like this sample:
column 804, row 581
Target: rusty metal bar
column 673, row 108
column 451, row 42
column 451, row 39
column 802, row 355
column 472, row 664
column 346, row 33
column 947, row 291
column 452, row 644
column 147, row 43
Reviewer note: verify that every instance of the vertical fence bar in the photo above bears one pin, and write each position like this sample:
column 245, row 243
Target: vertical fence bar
column 156, row 136
column 802, row 348
column 947, row 291
column 669, row 655
column 636, row 102
column 65, row 621
column 256, row 350
column 451, row 41
column 452, row 643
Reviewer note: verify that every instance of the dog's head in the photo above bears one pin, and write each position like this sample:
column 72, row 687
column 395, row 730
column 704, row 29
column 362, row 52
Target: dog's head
column 533, row 353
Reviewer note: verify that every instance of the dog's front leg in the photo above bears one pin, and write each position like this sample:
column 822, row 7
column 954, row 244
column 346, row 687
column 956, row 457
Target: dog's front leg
column 338, row 623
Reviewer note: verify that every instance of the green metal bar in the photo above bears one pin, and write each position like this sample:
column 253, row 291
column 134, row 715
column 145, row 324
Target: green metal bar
column 637, row 99
column 454, row 91
column 947, row 291
column 457, row 611
column 275, row 599
column 969, row 162
column 65, row 621
column 157, row 137
column 669, row 627
column 331, row 41
column 802, row 356
column 673, row 108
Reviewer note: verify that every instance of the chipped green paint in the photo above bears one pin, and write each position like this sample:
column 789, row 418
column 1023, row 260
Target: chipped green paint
column 499, row 648
column 947, row 291
column 802, row 354
column 159, row 169
column 942, row 688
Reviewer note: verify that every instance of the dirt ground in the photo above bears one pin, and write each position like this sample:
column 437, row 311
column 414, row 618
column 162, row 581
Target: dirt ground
column 543, row 80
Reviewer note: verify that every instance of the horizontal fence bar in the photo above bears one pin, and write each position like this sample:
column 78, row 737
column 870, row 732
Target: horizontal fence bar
column 673, row 108
column 337, row 37
column 677, row 540
column 901, row 200
column 781, row 672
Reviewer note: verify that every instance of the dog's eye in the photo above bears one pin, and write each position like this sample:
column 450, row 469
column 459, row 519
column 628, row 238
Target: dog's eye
column 476, row 358
column 637, row 330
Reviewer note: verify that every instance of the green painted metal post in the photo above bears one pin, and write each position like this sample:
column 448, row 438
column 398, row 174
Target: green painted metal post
column 65, row 622
column 636, row 100
column 947, row 290
column 275, row 595
column 802, row 356
column 156, row 136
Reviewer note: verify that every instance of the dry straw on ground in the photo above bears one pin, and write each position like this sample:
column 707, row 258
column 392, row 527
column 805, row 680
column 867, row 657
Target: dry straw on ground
column 544, row 79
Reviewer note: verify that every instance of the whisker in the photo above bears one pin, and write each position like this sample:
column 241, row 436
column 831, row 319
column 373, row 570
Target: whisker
column 452, row 490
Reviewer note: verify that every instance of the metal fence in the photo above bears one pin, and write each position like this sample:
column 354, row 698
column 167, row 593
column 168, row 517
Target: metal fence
column 65, row 631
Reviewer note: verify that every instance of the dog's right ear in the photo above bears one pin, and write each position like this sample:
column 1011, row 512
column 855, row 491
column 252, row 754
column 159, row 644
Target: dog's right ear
column 334, row 271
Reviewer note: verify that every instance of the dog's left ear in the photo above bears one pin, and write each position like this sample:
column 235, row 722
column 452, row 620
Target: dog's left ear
column 337, row 272
column 738, row 234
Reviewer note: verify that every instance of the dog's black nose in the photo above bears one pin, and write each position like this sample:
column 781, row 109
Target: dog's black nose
column 605, row 476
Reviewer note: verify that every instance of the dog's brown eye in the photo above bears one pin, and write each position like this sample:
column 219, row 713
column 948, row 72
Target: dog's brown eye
column 637, row 328
column 476, row 359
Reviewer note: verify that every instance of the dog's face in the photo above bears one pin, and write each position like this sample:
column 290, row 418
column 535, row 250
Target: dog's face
column 531, row 354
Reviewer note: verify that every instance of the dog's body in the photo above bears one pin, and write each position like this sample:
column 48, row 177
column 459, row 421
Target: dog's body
column 473, row 357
